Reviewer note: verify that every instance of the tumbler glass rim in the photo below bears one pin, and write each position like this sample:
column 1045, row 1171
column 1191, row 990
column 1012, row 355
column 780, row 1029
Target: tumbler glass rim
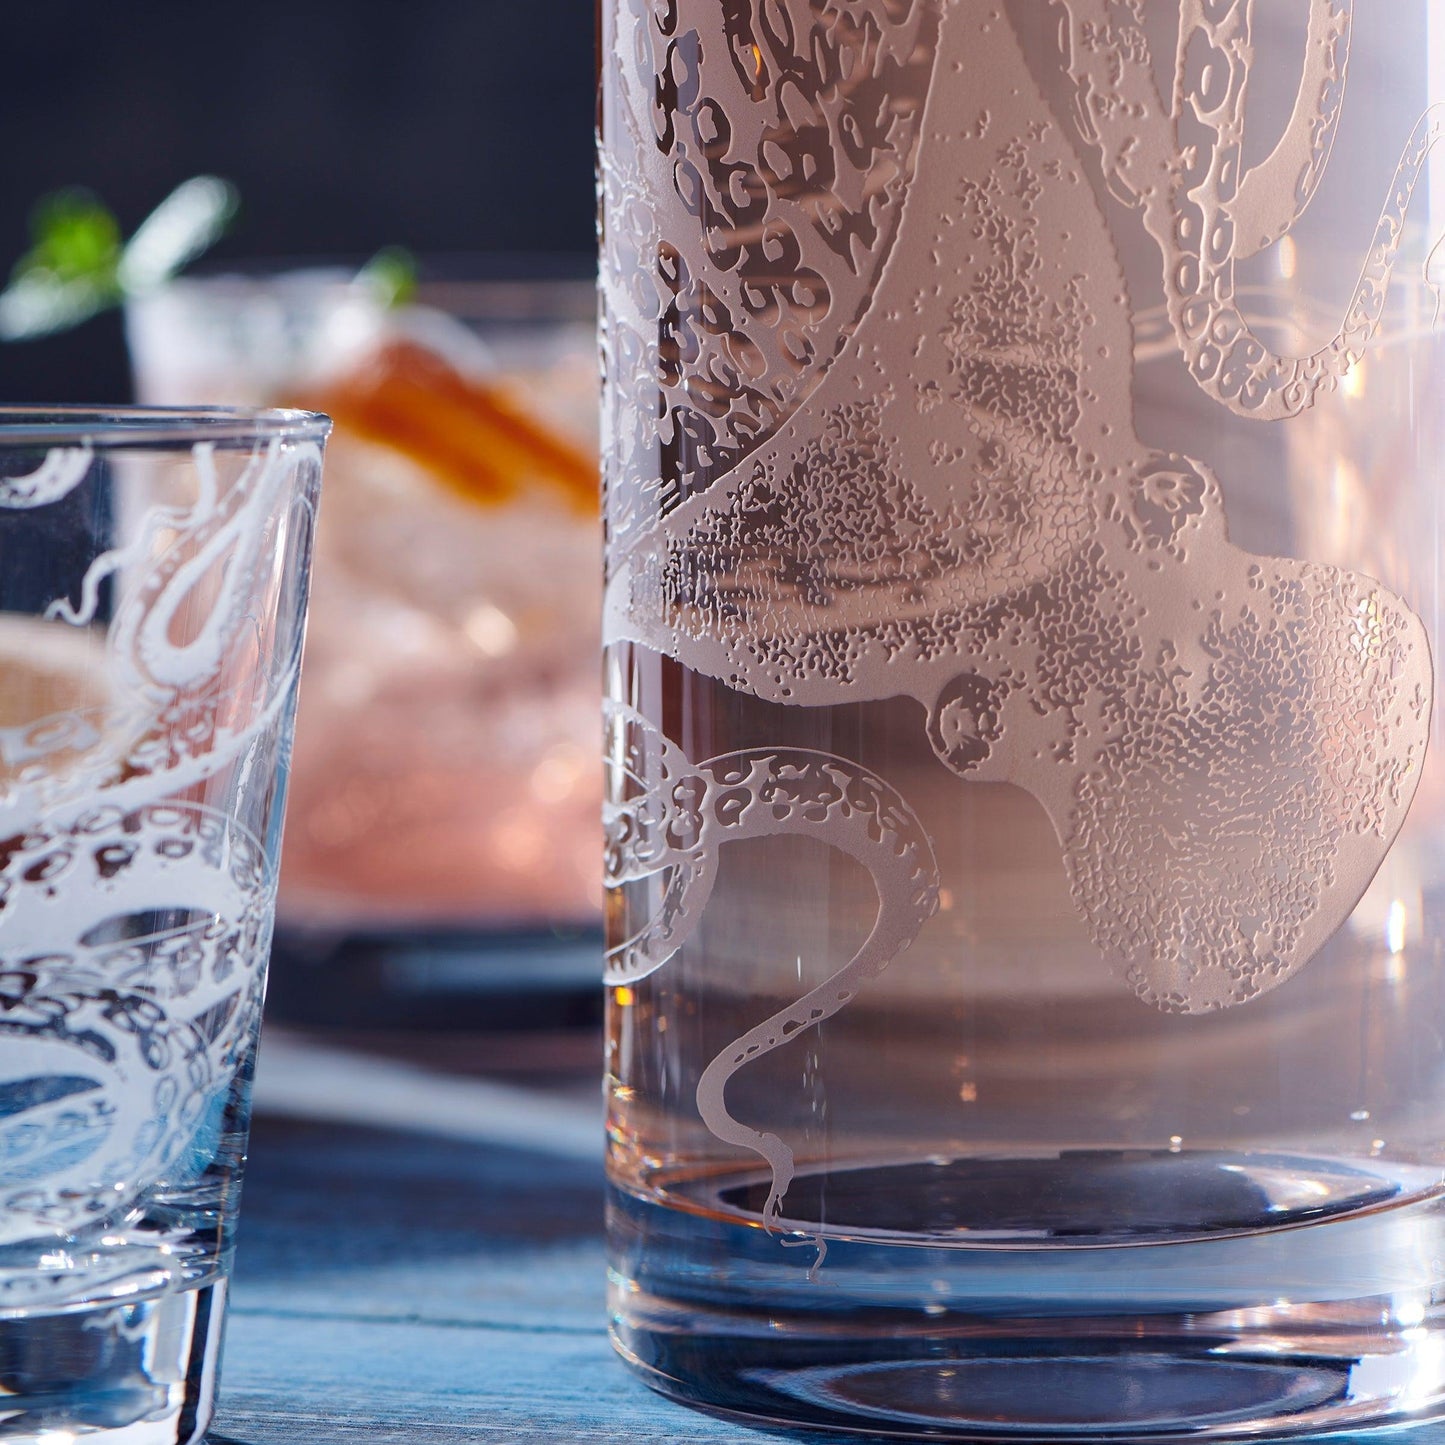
column 124, row 426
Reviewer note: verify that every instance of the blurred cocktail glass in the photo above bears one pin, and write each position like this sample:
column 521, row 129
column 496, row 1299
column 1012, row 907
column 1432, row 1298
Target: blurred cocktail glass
column 444, row 772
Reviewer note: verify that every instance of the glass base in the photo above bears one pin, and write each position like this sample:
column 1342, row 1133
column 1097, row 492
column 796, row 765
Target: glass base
column 137, row 1374
column 1314, row 1314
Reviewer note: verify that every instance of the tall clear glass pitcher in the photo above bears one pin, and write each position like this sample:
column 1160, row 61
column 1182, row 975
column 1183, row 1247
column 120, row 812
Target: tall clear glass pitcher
column 1025, row 452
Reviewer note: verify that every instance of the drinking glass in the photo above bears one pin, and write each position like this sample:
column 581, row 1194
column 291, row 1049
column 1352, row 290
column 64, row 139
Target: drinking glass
column 153, row 581
column 441, row 858
column 1026, row 914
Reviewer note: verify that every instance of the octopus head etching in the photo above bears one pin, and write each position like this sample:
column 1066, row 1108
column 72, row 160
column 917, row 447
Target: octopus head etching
column 955, row 506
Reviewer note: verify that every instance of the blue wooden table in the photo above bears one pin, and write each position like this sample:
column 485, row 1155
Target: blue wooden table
column 409, row 1272
column 421, row 1260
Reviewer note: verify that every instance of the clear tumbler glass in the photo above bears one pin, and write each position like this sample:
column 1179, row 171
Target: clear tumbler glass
column 153, row 579
column 441, row 850
column 1024, row 453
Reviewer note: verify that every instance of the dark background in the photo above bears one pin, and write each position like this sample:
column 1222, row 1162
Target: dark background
column 446, row 126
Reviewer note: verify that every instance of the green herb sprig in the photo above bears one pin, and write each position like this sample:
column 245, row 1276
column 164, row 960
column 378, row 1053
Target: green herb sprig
column 77, row 264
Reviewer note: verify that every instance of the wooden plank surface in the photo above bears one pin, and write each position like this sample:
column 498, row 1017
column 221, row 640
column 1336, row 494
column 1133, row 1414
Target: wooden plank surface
column 396, row 1286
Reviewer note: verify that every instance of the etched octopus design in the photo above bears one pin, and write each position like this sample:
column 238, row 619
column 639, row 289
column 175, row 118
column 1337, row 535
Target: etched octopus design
column 667, row 816
column 737, row 261
column 1180, row 166
column 134, row 919
column 918, row 473
column 118, row 1051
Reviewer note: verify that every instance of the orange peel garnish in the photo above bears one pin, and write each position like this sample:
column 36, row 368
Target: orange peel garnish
column 470, row 434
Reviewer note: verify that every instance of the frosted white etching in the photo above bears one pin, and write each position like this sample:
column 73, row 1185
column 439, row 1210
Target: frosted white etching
column 1204, row 213
column 134, row 919
column 131, row 964
column 952, row 503
column 176, row 713
column 666, row 818
column 56, row 477
column 750, row 196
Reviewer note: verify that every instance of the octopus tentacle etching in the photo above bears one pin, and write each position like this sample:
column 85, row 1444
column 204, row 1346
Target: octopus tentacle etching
column 1180, row 165
column 175, row 712
column 953, row 503
column 134, row 917
column 667, row 819
column 749, row 203
column 122, row 1043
